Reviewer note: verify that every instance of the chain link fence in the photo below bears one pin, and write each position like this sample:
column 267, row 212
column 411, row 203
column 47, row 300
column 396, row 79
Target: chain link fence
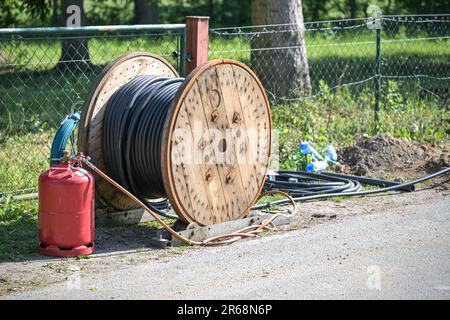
column 413, row 50
column 416, row 52
column 380, row 60
column 45, row 75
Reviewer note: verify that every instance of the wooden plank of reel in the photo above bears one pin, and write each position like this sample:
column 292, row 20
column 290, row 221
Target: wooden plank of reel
column 216, row 142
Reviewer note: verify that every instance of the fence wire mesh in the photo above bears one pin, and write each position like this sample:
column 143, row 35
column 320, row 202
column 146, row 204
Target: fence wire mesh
column 296, row 62
column 44, row 77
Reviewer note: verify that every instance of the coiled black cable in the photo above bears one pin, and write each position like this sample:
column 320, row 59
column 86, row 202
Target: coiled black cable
column 302, row 183
column 304, row 192
column 132, row 133
column 299, row 183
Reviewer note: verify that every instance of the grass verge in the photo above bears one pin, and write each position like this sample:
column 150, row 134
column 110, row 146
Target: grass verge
column 18, row 229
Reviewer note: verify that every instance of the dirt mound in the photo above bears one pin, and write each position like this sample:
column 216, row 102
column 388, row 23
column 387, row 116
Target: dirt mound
column 386, row 156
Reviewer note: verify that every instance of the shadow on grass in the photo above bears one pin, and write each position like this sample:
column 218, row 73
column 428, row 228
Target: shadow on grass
column 18, row 237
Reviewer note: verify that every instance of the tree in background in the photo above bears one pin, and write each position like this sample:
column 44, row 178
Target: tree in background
column 294, row 79
column 314, row 9
column 74, row 50
column 7, row 14
column 146, row 11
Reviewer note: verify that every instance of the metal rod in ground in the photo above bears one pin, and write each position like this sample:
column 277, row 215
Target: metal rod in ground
column 378, row 69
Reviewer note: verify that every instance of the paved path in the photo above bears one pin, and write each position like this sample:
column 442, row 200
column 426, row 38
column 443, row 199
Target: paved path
column 403, row 253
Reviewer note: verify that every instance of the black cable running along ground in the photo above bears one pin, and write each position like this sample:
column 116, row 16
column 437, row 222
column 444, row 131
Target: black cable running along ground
column 301, row 183
column 133, row 123
column 305, row 186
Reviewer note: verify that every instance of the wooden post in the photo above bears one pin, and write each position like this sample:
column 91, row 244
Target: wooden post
column 197, row 31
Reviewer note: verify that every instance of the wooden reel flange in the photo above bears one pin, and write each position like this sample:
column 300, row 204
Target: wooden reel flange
column 216, row 142
column 90, row 132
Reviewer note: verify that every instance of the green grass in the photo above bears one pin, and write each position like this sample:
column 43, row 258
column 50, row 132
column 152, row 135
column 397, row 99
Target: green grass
column 43, row 54
column 155, row 225
column 23, row 158
column 351, row 57
column 18, row 229
column 348, row 46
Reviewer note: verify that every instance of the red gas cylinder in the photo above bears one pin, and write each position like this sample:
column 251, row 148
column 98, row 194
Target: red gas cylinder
column 66, row 211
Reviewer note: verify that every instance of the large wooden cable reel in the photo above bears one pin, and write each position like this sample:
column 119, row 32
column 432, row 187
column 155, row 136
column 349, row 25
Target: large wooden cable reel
column 216, row 140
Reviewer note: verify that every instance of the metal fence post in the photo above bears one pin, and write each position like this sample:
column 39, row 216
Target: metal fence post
column 378, row 23
column 197, row 32
column 182, row 61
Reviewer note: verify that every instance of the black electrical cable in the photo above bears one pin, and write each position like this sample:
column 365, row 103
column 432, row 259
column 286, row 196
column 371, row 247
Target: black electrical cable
column 332, row 190
column 132, row 133
column 300, row 183
column 371, row 181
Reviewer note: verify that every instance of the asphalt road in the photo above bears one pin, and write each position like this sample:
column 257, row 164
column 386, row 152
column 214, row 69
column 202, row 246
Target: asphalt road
column 401, row 254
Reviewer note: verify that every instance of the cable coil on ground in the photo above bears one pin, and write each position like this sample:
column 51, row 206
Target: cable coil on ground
column 327, row 185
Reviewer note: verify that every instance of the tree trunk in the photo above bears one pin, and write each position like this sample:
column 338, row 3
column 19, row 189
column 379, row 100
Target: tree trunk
column 388, row 8
column 211, row 8
column 146, row 11
column 429, row 7
column 74, row 50
column 353, row 8
column 283, row 72
column 315, row 11
column 55, row 10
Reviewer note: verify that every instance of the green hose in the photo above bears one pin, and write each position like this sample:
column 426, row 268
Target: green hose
column 64, row 134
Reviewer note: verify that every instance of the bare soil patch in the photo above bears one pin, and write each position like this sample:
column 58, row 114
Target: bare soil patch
column 384, row 156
